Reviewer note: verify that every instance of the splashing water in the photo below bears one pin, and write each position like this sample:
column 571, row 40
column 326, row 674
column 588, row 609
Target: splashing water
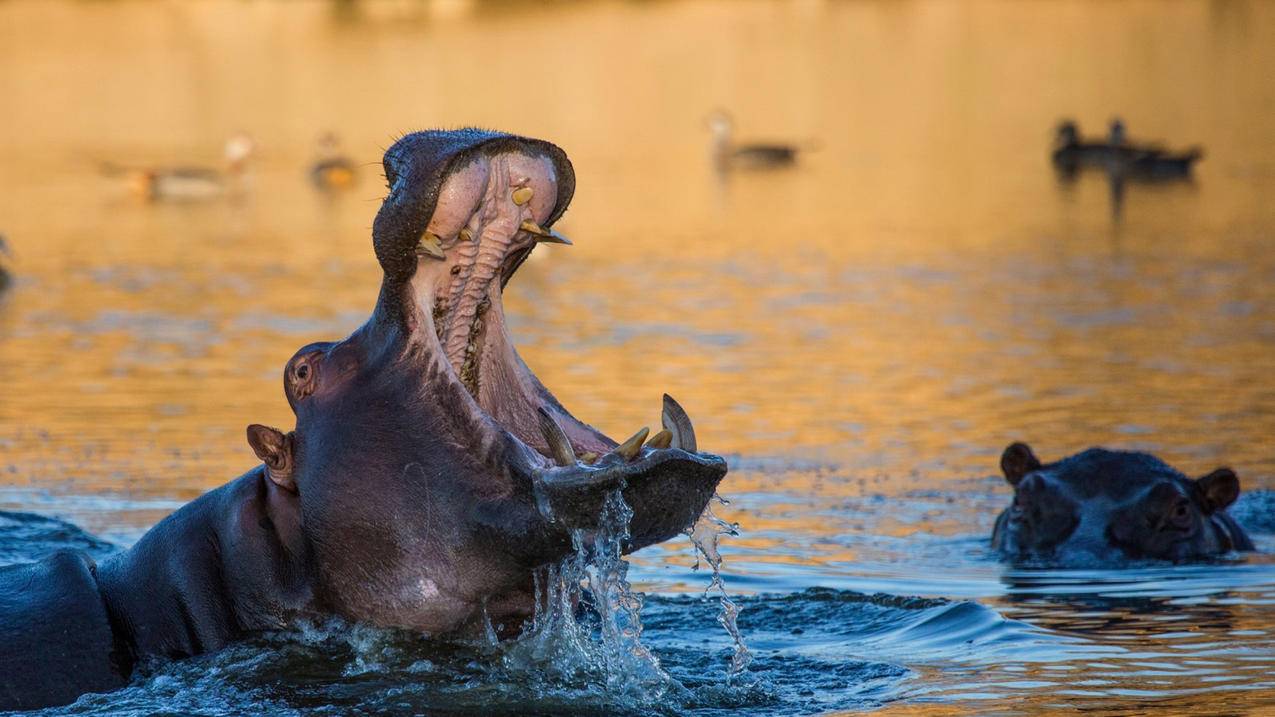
column 603, row 644
column 704, row 535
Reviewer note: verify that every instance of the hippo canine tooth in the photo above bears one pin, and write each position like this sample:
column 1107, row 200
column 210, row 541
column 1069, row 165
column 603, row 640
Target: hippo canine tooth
column 555, row 238
column 547, row 236
column 678, row 423
column 522, row 195
column 629, row 449
column 559, row 445
column 663, row 439
column 431, row 245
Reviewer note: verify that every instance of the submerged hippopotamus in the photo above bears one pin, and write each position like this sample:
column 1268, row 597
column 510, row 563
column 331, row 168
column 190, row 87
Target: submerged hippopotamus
column 428, row 476
column 1106, row 505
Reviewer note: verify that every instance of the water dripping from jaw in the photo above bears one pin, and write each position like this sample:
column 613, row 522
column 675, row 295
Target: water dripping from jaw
column 704, row 534
column 587, row 624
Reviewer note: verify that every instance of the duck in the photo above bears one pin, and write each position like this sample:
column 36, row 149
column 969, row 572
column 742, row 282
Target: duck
column 332, row 171
column 189, row 183
column 728, row 154
column 1118, row 155
column 1071, row 151
column 1150, row 161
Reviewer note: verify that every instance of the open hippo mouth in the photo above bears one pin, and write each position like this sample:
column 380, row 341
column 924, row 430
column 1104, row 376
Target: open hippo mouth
column 465, row 210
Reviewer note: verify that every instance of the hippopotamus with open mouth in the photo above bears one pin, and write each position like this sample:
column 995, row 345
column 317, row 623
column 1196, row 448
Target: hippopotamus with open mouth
column 428, row 476
column 1104, row 505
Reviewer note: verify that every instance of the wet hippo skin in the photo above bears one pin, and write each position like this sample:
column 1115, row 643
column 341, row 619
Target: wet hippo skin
column 1102, row 505
column 428, row 476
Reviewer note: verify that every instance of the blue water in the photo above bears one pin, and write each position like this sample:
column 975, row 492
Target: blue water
column 873, row 634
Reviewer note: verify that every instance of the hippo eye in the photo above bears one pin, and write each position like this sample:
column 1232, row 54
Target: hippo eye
column 303, row 372
column 1180, row 515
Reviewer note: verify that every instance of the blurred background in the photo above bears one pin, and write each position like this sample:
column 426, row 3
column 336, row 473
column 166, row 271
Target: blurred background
column 860, row 332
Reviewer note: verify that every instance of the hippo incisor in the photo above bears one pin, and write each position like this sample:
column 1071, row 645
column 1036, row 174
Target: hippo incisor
column 428, row 476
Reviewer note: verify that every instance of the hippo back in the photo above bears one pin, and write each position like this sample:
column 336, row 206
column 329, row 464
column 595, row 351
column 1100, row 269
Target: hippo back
column 56, row 641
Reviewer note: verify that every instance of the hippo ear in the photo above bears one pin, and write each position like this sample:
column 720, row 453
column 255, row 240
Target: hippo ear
column 1017, row 461
column 1219, row 488
column 275, row 450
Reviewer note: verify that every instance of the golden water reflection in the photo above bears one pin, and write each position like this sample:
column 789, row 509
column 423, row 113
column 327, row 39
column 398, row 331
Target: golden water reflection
column 879, row 320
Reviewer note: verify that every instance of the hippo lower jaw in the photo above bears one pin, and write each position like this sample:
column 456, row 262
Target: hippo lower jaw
column 490, row 209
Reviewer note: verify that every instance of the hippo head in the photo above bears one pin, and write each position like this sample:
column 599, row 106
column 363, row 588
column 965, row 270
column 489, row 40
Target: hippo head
column 431, row 471
column 1102, row 504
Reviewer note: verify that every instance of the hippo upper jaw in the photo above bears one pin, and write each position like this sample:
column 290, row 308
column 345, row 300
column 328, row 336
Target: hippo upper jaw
column 465, row 210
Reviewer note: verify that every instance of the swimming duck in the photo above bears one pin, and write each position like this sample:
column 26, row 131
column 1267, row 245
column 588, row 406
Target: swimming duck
column 332, row 170
column 1118, row 155
column 189, row 183
column 1149, row 160
column 727, row 153
column 1071, row 152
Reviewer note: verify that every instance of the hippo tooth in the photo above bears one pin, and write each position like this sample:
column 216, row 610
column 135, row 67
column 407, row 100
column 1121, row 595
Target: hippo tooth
column 629, row 449
column 431, row 246
column 547, row 236
column 589, row 457
column 554, row 238
column 663, row 439
column 533, row 228
column 466, row 235
column 559, row 445
column 522, row 195
column 679, row 424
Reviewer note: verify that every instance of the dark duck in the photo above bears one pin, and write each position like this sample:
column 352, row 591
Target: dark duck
column 1118, row 154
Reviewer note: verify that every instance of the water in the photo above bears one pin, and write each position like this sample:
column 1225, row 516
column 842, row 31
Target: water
column 861, row 336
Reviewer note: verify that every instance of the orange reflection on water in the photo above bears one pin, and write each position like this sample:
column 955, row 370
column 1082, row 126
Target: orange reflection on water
column 881, row 319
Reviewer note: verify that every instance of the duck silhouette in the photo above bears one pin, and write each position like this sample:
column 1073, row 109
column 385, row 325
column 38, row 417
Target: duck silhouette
column 1071, row 151
column 188, row 183
column 1149, row 160
column 729, row 154
column 1118, row 155
column 332, row 170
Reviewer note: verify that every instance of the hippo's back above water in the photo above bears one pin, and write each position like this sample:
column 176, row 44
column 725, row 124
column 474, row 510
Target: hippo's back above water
column 56, row 633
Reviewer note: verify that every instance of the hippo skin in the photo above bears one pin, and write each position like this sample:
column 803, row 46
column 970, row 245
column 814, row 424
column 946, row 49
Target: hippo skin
column 1108, row 506
column 428, row 477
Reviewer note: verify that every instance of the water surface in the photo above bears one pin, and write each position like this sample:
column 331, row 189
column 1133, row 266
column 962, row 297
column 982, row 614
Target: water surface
column 860, row 335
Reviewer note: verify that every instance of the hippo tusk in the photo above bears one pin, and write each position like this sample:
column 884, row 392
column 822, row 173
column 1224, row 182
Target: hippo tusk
column 547, row 236
column 679, row 424
column 630, row 448
column 559, row 445
column 663, row 439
